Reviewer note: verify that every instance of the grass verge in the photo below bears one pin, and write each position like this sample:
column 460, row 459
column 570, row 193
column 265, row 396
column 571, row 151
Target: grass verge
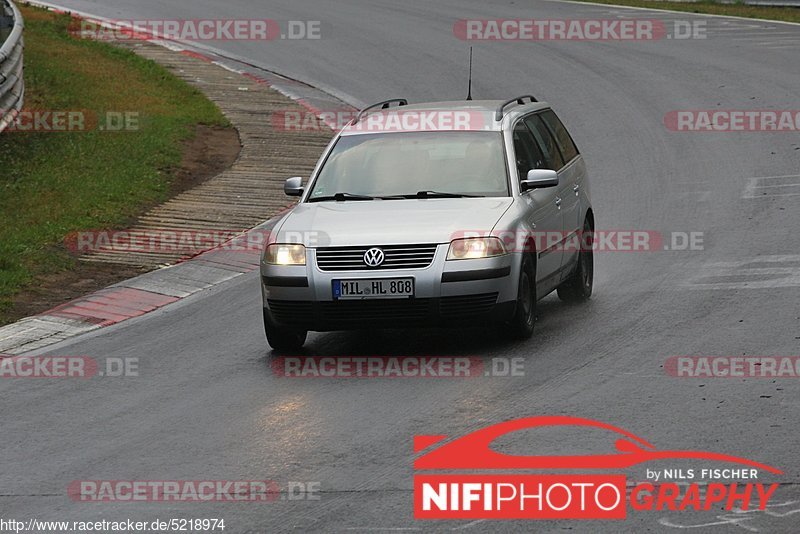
column 785, row 14
column 54, row 183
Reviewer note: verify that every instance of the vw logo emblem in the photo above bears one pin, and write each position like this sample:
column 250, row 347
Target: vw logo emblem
column 374, row 257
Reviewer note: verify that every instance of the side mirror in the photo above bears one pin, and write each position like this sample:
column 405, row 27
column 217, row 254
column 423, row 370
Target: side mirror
column 293, row 186
column 538, row 179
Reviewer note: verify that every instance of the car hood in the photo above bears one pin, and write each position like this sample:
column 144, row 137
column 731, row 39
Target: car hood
column 388, row 222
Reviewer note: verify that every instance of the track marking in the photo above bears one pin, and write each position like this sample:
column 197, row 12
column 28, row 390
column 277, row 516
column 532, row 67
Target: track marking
column 738, row 517
column 760, row 272
column 730, row 18
column 764, row 186
column 469, row 525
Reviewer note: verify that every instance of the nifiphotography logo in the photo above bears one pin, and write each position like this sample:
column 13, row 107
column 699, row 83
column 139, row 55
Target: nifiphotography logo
column 504, row 494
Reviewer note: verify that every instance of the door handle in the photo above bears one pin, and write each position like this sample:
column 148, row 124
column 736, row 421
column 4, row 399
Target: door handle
column 558, row 202
column 576, row 188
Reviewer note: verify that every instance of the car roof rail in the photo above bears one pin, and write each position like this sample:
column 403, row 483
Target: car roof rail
column 382, row 105
column 498, row 115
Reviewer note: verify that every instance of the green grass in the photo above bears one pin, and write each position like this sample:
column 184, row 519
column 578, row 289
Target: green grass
column 785, row 14
column 52, row 183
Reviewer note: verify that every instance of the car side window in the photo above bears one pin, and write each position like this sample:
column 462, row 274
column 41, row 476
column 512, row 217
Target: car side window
column 546, row 141
column 524, row 153
column 537, row 156
column 565, row 142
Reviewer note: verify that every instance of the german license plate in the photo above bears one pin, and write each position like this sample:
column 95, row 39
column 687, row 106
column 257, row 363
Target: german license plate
column 379, row 288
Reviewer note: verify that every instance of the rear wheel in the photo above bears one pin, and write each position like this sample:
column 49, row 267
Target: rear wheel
column 521, row 325
column 283, row 339
column 578, row 287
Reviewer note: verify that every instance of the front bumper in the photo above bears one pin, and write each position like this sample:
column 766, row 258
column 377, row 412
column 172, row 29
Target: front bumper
column 447, row 293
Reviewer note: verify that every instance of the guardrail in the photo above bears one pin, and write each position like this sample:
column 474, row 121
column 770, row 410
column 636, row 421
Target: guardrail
column 768, row 3
column 765, row 3
column 12, row 83
column 771, row 3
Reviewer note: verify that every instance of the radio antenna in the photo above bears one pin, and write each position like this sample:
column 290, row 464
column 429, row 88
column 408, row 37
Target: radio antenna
column 469, row 90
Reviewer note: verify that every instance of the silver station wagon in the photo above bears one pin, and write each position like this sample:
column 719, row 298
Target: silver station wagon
column 438, row 214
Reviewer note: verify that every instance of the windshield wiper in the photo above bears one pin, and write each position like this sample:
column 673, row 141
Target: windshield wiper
column 439, row 194
column 341, row 197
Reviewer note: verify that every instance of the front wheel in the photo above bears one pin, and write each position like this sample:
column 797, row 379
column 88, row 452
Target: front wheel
column 521, row 325
column 283, row 339
column 578, row 287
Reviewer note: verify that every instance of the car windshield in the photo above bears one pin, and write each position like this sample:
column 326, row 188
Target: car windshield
column 413, row 165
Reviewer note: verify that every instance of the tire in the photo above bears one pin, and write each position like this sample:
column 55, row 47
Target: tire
column 283, row 339
column 521, row 325
column 578, row 287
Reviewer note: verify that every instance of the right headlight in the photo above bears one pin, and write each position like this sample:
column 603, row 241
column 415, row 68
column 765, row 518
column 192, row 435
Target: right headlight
column 474, row 248
column 285, row 254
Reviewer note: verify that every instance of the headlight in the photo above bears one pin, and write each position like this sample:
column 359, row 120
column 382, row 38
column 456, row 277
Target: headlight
column 475, row 248
column 279, row 254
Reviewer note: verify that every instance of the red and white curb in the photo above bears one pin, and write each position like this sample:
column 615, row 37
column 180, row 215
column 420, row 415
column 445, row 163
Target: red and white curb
column 131, row 298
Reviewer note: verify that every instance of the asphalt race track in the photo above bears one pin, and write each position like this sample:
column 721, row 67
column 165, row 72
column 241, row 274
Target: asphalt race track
column 208, row 406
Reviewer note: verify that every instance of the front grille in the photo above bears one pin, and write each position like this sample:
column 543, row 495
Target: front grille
column 396, row 257
column 371, row 311
column 387, row 313
column 467, row 305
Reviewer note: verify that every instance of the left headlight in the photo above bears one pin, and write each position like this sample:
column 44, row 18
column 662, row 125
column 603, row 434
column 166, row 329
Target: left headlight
column 284, row 254
column 475, row 248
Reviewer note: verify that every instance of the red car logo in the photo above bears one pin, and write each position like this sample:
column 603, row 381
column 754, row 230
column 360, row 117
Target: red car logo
column 473, row 450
